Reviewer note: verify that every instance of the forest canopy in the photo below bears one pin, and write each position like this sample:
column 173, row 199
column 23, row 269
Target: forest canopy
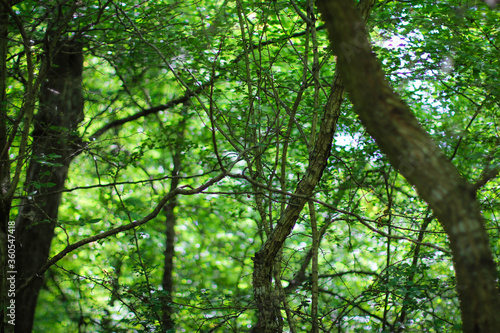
column 243, row 166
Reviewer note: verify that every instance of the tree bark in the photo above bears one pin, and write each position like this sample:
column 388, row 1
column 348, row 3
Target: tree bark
column 409, row 148
column 267, row 299
column 55, row 142
column 268, row 302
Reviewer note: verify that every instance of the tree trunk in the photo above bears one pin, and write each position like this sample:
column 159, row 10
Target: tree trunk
column 409, row 148
column 268, row 302
column 55, row 142
column 168, row 324
column 267, row 299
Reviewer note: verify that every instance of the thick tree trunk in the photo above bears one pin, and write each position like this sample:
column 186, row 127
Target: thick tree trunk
column 409, row 148
column 54, row 145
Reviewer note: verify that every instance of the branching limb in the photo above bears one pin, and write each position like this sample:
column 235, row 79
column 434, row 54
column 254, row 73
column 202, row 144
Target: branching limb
column 177, row 191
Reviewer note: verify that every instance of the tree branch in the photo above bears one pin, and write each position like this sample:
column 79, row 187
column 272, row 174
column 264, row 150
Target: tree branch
column 409, row 148
column 177, row 191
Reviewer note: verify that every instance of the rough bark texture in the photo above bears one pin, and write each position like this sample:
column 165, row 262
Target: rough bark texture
column 267, row 299
column 268, row 303
column 54, row 145
column 409, row 148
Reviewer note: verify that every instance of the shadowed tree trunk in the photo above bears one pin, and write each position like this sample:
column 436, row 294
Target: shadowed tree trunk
column 267, row 298
column 167, row 283
column 55, row 142
column 409, row 148
column 168, row 324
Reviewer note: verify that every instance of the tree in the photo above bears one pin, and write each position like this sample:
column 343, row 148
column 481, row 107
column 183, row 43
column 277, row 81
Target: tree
column 401, row 138
column 54, row 145
column 170, row 196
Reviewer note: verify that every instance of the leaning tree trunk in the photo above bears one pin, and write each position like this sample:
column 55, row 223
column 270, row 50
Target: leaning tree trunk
column 409, row 148
column 55, row 142
column 266, row 297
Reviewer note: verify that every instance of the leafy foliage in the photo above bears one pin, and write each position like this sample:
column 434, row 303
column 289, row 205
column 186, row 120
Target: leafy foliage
column 229, row 87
